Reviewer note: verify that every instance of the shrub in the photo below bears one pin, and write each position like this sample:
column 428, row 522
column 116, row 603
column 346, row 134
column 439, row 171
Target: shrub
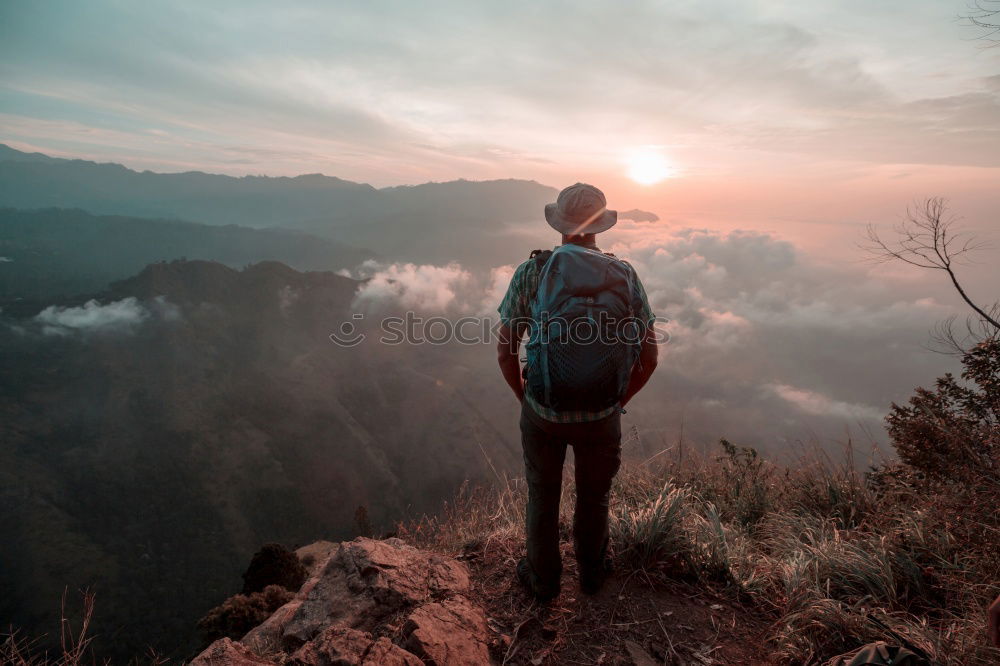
column 240, row 613
column 745, row 488
column 952, row 433
column 273, row 564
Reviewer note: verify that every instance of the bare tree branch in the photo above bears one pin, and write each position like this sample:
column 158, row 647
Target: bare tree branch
column 927, row 239
column 985, row 14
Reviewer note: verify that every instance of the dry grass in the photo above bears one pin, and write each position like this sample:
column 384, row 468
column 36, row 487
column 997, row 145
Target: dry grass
column 834, row 557
column 74, row 641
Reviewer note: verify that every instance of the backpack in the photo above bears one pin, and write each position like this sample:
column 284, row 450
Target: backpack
column 880, row 654
column 584, row 337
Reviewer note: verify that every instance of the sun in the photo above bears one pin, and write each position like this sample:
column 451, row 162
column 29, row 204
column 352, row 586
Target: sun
column 647, row 166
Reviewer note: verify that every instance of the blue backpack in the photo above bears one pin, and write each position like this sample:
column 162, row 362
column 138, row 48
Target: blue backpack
column 584, row 337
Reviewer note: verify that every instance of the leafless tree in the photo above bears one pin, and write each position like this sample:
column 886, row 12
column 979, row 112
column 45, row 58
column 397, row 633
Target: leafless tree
column 927, row 239
column 985, row 14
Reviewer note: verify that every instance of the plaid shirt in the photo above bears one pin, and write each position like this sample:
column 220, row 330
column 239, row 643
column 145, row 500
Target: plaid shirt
column 516, row 307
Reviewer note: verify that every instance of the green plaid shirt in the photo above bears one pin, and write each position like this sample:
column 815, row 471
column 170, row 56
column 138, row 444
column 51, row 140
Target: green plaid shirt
column 516, row 307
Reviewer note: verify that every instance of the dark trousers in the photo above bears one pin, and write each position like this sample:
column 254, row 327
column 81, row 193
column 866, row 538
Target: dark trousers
column 597, row 457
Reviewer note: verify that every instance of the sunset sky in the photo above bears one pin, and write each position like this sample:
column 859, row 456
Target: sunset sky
column 795, row 117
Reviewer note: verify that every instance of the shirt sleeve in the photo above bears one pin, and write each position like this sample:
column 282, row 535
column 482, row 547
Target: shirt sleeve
column 514, row 309
column 640, row 302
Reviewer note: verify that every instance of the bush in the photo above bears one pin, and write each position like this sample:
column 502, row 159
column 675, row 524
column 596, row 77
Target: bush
column 240, row 613
column 273, row 564
column 745, row 488
column 952, row 434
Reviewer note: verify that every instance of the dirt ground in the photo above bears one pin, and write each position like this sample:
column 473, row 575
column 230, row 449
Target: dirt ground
column 632, row 620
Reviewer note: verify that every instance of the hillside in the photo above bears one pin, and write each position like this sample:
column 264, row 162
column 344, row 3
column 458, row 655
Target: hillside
column 723, row 558
column 727, row 560
column 152, row 439
column 57, row 253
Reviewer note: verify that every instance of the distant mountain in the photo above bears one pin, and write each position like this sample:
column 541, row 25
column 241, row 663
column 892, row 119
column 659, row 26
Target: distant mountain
column 483, row 223
column 54, row 253
column 637, row 215
column 151, row 440
column 9, row 154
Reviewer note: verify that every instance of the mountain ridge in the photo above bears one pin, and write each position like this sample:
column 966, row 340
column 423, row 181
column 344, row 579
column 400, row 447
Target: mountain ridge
column 485, row 223
column 52, row 254
column 488, row 222
column 8, row 153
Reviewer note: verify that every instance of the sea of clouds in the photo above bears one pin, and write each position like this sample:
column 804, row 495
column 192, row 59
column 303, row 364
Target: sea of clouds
column 766, row 343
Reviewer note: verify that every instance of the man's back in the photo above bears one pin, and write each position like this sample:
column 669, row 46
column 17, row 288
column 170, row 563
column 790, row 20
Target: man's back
column 521, row 311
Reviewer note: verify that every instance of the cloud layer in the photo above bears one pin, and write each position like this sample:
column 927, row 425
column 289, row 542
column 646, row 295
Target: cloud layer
column 765, row 345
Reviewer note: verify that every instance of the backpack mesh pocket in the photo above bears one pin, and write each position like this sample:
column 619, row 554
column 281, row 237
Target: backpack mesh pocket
column 586, row 376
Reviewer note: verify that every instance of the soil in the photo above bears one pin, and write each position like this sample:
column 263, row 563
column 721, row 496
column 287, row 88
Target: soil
column 634, row 619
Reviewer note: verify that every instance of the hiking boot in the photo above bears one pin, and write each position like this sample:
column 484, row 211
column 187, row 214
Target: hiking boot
column 524, row 577
column 592, row 580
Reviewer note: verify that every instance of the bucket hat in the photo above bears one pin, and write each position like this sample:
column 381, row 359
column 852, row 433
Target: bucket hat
column 580, row 209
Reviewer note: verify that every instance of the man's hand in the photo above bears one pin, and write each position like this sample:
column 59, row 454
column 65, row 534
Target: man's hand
column 643, row 370
column 507, row 348
column 993, row 622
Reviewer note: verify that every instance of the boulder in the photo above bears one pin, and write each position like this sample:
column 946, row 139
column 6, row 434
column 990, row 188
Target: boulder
column 370, row 602
column 448, row 633
column 225, row 652
column 315, row 555
column 384, row 652
column 339, row 646
column 361, row 584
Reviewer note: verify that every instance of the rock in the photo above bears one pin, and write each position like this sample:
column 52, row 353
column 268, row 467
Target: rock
column 339, row 646
column 384, row 652
column 448, row 633
column 315, row 556
column 265, row 638
column 225, row 652
column 413, row 600
column 395, row 574
column 367, row 580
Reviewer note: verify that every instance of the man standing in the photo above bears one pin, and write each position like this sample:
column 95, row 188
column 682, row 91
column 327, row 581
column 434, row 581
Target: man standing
column 590, row 348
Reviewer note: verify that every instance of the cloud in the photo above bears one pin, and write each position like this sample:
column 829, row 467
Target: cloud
column 419, row 287
column 5, row 260
column 818, row 404
column 405, row 92
column 119, row 316
column 766, row 345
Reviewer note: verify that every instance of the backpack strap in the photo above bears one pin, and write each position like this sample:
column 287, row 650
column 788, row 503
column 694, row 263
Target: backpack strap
column 540, row 257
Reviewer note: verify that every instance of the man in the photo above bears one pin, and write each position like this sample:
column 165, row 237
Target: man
column 573, row 389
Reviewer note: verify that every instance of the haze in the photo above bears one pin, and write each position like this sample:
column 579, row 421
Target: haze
column 776, row 114
column 170, row 392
